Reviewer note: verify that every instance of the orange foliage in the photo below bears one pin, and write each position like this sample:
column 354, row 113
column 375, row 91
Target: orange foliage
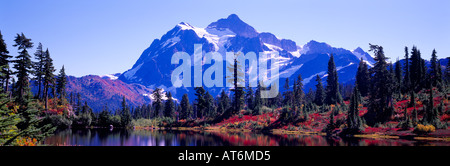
column 26, row 141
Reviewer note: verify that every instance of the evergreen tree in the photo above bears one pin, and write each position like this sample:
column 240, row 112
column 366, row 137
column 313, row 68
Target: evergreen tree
column 39, row 68
column 320, row 93
column 77, row 106
column 277, row 101
column 61, row 84
column 435, row 71
column 362, row 77
column 5, row 71
column 309, row 97
column 249, row 98
column 169, row 107
column 259, row 101
column 224, row 102
column 178, row 113
column 331, row 125
column 416, row 69
column 287, row 94
column 49, row 78
column 407, row 77
column 23, row 66
column 447, row 71
column 84, row 119
column 200, row 101
column 406, row 124
column 186, row 110
column 8, row 121
column 431, row 115
column 125, row 115
column 380, row 107
column 210, row 106
column 104, row 117
column 354, row 123
column 29, row 124
column 237, row 89
column 415, row 118
column 333, row 96
column 298, row 91
column 157, row 102
column 398, row 76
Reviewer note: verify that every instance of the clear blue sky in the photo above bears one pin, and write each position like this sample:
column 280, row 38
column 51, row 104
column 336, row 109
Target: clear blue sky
column 108, row 36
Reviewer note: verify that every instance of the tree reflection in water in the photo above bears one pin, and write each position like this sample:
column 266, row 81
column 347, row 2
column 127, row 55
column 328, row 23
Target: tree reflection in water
column 121, row 137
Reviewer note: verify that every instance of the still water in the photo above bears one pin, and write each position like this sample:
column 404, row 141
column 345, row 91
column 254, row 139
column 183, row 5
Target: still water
column 121, row 137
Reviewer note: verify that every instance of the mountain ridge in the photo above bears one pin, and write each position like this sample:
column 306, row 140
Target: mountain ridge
column 153, row 68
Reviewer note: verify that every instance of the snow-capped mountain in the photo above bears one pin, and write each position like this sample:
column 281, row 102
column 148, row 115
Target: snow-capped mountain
column 231, row 34
column 359, row 52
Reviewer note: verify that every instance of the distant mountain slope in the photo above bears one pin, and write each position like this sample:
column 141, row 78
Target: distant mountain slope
column 98, row 91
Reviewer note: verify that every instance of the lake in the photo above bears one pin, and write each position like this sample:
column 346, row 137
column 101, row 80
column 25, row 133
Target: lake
column 122, row 137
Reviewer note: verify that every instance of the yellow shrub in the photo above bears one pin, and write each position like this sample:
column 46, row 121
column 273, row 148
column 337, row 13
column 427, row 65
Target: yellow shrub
column 422, row 129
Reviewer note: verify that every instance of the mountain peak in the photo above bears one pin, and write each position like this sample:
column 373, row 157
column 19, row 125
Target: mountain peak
column 234, row 17
column 236, row 25
column 360, row 53
column 316, row 47
column 359, row 50
column 184, row 25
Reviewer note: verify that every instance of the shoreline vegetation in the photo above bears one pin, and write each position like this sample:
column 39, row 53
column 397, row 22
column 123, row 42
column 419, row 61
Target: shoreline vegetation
column 409, row 101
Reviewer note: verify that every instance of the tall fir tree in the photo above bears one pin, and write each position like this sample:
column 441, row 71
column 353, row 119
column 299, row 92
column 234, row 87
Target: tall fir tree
column 249, row 98
column 398, row 76
column 354, row 122
column 416, row 69
column 210, row 108
column 320, row 92
column 30, row 123
column 287, row 94
column 169, row 107
column 61, row 84
column 5, row 71
column 431, row 115
column 186, row 109
column 125, row 115
column 49, row 78
column 447, row 72
column 224, row 102
column 407, row 76
column 435, row 71
column 157, row 102
column 39, row 55
column 259, row 101
column 23, row 66
column 333, row 95
column 238, row 88
column 200, row 104
column 309, row 97
column 298, row 91
column 380, row 107
column 362, row 78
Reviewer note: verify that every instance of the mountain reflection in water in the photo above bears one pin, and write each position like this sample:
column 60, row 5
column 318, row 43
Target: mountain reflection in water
column 121, row 137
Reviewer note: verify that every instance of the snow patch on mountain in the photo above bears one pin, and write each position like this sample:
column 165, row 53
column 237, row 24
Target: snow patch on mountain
column 288, row 72
column 110, row 76
column 307, row 80
column 217, row 37
column 130, row 74
column 341, row 67
column 171, row 41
